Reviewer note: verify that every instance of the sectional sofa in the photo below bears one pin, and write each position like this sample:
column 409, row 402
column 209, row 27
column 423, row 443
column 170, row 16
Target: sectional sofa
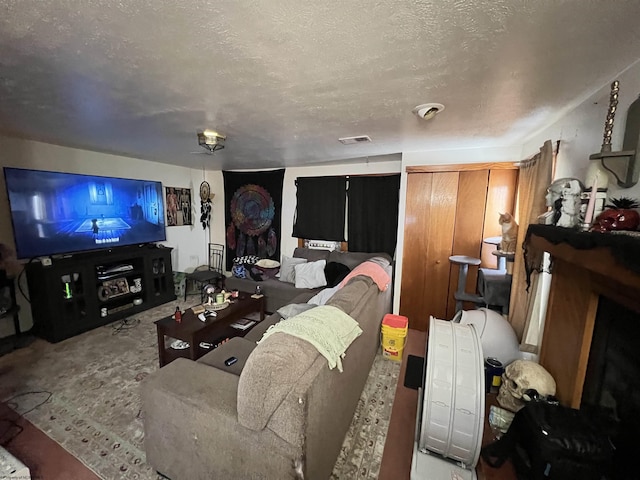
column 278, row 413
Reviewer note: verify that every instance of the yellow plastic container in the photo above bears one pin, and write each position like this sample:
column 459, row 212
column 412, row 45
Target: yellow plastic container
column 394, row 334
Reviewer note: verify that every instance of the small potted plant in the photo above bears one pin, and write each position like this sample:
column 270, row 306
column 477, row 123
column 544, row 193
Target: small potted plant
column 620, row 214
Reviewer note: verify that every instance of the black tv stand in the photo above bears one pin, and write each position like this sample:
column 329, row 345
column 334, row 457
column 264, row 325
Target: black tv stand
column 86, row 290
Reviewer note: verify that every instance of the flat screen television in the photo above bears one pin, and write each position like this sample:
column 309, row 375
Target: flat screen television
column 59, row 213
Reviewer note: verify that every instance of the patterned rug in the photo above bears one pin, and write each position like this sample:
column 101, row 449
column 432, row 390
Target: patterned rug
column 84, row 393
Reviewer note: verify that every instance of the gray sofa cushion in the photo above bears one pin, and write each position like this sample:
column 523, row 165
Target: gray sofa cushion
column 353, row 259
column 236, row 347
column 277, row 293
column 294, row 309
column 346, row 299
column 311, row 254
column 273, row 369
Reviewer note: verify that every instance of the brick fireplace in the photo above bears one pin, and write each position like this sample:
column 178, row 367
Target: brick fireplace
column 580, row 278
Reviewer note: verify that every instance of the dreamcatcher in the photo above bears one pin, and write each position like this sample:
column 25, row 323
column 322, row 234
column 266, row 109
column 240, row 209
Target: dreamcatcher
column 205, row 204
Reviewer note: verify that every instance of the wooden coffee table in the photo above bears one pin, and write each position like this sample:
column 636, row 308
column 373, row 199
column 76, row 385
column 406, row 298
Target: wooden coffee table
column 194, row 331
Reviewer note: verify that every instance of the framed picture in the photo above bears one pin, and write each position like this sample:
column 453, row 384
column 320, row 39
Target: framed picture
column 179, row 210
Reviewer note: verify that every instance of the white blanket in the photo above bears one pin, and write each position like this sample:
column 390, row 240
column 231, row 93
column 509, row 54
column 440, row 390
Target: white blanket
column 327, row 328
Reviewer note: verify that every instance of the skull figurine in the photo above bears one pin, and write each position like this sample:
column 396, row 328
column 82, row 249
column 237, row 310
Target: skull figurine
column 616, row 219
column 522, row 375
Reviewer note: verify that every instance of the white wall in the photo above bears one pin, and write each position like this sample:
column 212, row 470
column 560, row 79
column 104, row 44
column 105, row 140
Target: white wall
column 380, row 164
column 189, row 242
column 580, row 131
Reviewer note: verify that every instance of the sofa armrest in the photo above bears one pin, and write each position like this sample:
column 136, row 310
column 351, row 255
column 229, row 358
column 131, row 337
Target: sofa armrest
column 192, row 430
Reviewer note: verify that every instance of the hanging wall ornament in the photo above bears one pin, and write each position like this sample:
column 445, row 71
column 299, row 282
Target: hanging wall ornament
column 242, row 238
column 272, row 242
column 252, row 209
column 251, row 246
column 205, row 204
column 231, row 236
column 262, row 247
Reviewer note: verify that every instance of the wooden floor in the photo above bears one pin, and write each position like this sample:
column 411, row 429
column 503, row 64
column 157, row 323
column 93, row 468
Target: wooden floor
column 45, row 458
column 398, row 450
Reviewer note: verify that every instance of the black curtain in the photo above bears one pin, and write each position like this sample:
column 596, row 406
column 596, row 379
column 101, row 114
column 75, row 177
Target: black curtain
column 320, row 209
column 253, row 205
column 373, row 213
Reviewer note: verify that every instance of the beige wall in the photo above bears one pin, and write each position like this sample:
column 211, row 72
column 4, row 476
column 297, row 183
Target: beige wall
column 188, row 241
column 580, row 130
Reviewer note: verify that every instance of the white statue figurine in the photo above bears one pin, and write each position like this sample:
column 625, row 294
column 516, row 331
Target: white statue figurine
column 563, row 196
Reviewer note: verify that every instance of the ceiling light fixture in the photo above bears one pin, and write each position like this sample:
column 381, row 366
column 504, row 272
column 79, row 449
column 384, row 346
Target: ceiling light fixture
column 427, row 111
column 211, row 140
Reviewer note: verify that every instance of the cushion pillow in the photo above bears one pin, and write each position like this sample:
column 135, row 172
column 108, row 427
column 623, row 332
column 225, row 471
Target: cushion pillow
column 267, row 263
column 294, row 309
column 287, row 272
column 310, row 274
column 246, row 260
column 323, row 295
column 335, row 273
column 239, row 271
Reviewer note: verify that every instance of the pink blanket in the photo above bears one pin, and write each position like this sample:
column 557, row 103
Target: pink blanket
column 370, row 269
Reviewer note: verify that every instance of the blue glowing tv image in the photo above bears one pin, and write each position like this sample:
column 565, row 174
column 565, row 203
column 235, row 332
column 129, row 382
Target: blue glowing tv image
column 55, row 213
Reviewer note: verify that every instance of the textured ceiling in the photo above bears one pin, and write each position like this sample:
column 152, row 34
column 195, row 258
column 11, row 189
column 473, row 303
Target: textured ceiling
column 283, row 79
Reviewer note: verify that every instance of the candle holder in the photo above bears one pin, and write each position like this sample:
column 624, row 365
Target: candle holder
column 629, row 153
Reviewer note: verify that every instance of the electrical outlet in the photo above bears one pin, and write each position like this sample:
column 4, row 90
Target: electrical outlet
column 193, row 259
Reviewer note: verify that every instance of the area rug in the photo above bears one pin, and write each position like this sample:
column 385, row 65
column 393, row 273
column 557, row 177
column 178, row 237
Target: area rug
column 84, row 393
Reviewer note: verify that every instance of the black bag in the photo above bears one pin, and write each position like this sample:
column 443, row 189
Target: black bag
column 549, row 441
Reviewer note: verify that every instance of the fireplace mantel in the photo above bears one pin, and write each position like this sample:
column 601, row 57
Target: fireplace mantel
column 579, row 278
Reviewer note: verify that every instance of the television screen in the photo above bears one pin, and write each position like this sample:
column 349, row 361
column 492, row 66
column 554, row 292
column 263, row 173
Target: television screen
column 56, row 213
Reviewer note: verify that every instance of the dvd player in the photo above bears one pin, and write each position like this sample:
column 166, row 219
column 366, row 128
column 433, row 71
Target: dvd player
column 106, row 273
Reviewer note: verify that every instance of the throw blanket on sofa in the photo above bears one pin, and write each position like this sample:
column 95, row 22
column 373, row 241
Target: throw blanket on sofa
column 370, row 269
column 327, row 328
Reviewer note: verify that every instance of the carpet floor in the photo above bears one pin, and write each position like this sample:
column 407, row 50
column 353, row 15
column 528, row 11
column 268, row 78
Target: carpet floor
column 84, row 394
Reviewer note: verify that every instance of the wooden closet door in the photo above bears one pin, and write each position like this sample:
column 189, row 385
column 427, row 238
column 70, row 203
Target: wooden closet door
column 469, row 224
column 429, row 227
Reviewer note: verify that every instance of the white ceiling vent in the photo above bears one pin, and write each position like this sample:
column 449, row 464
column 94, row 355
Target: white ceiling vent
column 352, row 140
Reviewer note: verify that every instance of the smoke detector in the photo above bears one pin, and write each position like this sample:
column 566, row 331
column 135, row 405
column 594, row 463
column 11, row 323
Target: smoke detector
column 427, row 111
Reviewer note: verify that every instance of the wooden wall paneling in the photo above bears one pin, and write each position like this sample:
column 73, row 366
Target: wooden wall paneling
column 501, row 197
column 579, row 278
column 468, row 228
column 570, row 319
column 418, row 212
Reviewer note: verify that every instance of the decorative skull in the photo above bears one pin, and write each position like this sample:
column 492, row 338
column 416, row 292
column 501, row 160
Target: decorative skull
column 522, row 375
column 615, row 219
